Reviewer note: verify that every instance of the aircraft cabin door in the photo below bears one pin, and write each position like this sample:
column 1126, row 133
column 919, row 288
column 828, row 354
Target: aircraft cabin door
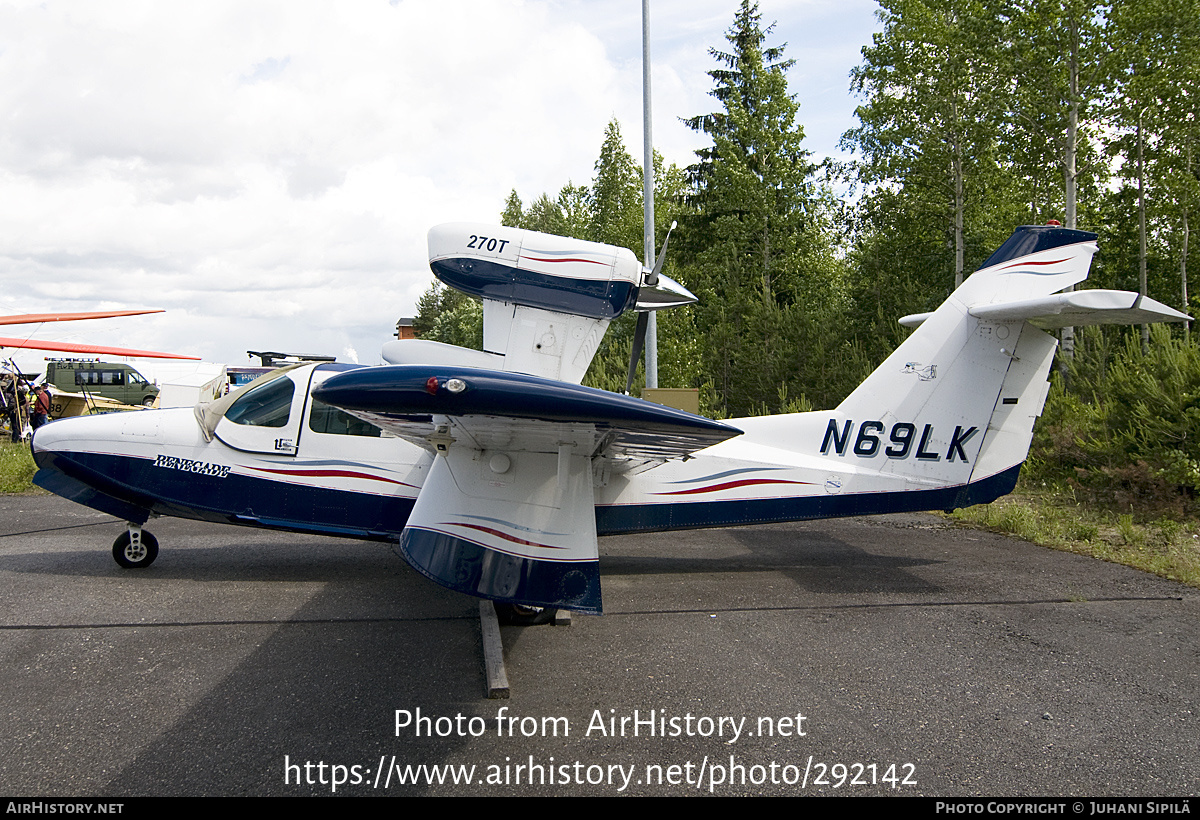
column 266, row 418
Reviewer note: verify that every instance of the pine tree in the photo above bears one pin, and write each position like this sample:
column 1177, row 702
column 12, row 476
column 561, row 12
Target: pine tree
column 616, row 195
column 513, row 211
column 753, row 249
column 753, row 184
column 449, row 316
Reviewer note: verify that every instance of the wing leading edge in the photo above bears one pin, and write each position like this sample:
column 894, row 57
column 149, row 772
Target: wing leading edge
column 508, row 509
column 496, row 405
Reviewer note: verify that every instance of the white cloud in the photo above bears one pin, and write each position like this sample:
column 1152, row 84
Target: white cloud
column 267, row 171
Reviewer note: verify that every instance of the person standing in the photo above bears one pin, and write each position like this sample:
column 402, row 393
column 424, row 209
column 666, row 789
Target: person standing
column 8, row 398
column 22, row 405
column 40, row 410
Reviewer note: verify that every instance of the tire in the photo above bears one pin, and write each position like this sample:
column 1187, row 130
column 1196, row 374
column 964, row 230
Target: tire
column 148, row 401
column 517, row 615
column 127, row 557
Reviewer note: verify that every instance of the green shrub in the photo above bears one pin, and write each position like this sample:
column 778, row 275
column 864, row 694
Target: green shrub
column 1123, row 426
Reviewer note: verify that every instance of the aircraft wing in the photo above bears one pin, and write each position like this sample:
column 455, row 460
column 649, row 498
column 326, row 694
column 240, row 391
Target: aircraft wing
column 508, row 509
column 95, row 350
column 38, row 318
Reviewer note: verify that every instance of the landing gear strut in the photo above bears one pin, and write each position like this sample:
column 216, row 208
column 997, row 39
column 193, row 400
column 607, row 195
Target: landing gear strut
column 135, row 548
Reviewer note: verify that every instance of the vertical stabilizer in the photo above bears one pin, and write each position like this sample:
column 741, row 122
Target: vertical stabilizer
column 956, row 401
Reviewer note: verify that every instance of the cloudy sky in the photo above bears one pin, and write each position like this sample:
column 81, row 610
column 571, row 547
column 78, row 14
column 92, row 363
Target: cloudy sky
column 267, row 171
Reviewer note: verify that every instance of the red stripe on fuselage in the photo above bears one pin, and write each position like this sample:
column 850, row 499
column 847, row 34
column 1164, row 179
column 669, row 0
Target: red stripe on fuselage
column 334, row 474
column 729, row 485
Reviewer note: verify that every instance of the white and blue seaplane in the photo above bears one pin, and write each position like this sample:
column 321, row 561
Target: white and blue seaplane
column 495, row 471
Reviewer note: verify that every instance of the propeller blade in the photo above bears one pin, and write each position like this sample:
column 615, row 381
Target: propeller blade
column 652, row 279
column 639, row 339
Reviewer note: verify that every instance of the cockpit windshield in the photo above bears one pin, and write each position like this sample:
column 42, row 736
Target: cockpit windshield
column 207, row 415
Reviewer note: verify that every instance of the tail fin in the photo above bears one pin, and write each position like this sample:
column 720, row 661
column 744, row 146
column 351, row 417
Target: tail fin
column 955, row 403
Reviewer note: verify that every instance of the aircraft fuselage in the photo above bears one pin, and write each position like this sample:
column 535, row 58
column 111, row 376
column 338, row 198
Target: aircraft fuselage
column 296, row 477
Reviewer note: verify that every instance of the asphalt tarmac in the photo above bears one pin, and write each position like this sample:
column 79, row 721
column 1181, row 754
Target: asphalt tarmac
column 889, row 655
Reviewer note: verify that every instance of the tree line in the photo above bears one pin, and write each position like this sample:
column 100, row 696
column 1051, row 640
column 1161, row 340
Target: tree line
column 976, row 116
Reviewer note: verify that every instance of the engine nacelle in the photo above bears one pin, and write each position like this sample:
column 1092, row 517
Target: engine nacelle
column 547, row 300
column 535, row 270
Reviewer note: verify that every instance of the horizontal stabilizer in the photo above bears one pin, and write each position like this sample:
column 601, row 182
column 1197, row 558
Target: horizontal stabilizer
column 1082, row 307
column 1076, row 309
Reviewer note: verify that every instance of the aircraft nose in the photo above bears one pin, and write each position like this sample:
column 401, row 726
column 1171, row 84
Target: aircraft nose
column 74, row 435
column 77, row 458
column 48, row 438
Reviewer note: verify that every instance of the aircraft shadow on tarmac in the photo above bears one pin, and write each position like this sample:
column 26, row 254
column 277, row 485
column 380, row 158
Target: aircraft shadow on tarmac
column 327, row 691
column 313, row 692
column 814, row 561
column 247, row 560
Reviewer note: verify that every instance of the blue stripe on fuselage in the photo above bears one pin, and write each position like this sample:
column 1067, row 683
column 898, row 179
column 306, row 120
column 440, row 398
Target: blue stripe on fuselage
column 245, row 500
column 126, row 483
column 627, row 518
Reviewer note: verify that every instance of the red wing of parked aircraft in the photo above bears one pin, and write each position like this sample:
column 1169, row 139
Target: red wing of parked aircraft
column 68, row 347
column 38, row 318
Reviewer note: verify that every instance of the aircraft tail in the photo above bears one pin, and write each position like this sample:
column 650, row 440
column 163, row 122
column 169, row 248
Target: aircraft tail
column 955, row 403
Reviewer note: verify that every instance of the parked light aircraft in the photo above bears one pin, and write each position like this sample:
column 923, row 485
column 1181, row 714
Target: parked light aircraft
column 495, row 471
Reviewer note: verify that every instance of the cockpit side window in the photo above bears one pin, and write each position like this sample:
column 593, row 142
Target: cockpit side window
column 267, row 405
column 326, row 419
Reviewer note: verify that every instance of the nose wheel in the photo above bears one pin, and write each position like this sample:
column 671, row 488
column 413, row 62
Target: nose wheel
column 135, row 548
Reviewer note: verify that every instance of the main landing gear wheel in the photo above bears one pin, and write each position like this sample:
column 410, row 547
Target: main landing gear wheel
column 518, row 615
column 135, row 549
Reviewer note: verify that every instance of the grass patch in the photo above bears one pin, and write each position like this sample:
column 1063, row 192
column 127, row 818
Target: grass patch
column 1053, row 517
column 16, row 468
